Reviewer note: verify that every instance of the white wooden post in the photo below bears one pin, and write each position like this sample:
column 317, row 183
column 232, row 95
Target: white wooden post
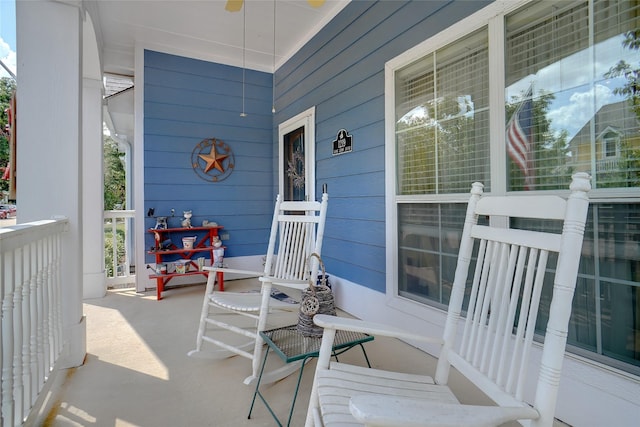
column 49, row 154
column 94, row 281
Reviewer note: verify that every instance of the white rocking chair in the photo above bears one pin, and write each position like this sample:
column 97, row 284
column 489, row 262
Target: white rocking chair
column 297, row 230
column 492, row 345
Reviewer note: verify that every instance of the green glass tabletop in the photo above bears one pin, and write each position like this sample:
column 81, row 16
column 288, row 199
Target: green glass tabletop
column 291, row 345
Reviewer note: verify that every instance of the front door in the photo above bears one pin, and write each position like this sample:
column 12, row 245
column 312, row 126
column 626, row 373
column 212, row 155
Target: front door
column 297, row 157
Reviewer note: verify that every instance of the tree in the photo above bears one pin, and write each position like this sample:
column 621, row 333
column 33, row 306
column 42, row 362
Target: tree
column 628, row 172
column 631, row 88
column 7, row 89
column 114, row 176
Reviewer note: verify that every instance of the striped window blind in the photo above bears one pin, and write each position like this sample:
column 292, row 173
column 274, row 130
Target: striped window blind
column 442, row 119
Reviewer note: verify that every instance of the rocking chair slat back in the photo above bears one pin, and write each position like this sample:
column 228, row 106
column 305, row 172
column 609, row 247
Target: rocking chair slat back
column 299, row 236
column 511, row 273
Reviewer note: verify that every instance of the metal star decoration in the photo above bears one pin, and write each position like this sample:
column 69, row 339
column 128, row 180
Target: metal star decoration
column 213, row 159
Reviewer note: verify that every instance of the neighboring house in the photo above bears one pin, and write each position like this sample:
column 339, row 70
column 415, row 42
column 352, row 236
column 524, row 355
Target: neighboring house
column 388, row 248
column 617, row 141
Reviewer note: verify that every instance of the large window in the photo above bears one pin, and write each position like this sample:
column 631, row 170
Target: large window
column 567, row 74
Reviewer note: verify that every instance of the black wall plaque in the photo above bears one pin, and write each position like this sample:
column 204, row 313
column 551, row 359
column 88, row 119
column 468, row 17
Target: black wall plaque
column 343, row 143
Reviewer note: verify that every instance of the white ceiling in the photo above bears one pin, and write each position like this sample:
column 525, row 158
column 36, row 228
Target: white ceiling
column 203, row 29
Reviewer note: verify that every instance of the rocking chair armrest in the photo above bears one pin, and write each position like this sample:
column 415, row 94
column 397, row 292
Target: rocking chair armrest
column 233, row 271
column 376, row 410
column 289, row 283
column 371, row 328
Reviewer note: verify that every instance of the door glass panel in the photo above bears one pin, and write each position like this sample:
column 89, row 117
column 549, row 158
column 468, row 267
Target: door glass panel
column 294, row 165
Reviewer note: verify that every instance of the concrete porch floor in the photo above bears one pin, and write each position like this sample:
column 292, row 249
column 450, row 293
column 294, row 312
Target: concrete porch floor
column 137, row 372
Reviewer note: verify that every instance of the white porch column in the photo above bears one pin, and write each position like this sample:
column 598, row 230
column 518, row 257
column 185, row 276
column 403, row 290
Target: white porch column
column 94, row 282
column 49, row 149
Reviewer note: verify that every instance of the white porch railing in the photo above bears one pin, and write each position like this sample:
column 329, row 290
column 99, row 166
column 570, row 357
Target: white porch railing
column 119, row 247
column 608, row 165
column 31, row 320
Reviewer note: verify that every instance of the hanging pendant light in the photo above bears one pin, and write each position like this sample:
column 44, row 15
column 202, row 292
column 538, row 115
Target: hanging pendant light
column 273, row 82
column 244, row 54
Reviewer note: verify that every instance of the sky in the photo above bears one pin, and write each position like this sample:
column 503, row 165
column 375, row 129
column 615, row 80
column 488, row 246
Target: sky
column 8, row 36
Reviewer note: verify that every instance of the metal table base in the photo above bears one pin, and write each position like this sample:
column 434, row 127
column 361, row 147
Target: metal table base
column 292, row 346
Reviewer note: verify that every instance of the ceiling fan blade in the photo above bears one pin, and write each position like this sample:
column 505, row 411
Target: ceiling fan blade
column 316, row 3
column 233, row 5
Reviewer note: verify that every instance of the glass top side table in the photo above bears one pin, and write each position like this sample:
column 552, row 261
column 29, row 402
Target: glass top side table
column 290, row 345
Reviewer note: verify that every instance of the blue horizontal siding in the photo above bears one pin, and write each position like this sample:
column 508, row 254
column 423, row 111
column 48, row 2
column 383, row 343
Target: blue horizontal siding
column 365, row 263
column 341, row 72
column 189, row 100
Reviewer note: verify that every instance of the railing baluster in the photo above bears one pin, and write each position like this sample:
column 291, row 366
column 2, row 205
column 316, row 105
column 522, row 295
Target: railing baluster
column 26, row 328
column 114, row 246
column 127, row 242
column 58, row 293
column 18, row 386
column 8, row 406
column 33, row 332
column 46, row 307
column 40, row 314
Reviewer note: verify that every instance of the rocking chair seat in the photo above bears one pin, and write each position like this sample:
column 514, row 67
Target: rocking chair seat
column 341, row 381
column 408, row 412
column 246, row 301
